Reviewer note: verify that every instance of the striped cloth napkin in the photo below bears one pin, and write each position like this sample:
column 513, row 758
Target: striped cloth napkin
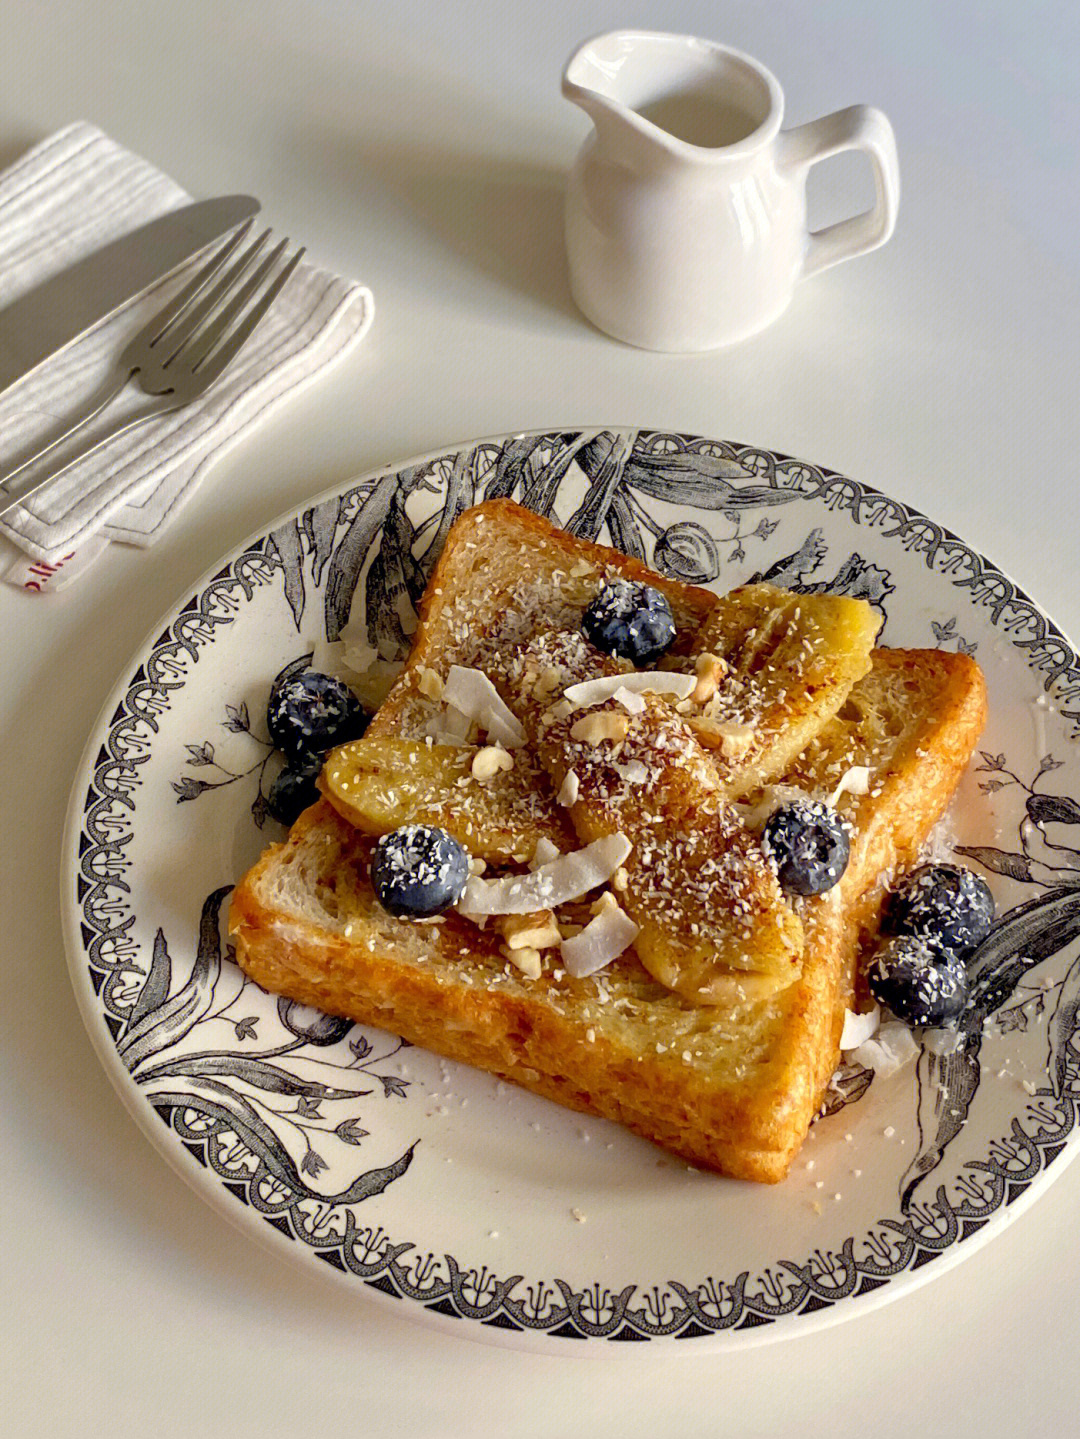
column 62, row 200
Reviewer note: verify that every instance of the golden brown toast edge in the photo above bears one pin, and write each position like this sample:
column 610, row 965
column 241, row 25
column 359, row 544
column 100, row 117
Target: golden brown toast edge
column 452, row 576
column 890, row 828
column 518, row 523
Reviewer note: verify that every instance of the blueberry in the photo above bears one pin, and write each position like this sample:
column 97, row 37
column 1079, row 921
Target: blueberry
column 630, row 621
column 291, row 793
column 310, row 713
column 808, row 844
column 949, row 907
column 917, row 982
column 418, row 871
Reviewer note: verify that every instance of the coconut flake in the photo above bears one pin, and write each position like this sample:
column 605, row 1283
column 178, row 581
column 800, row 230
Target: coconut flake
column 510, row 736
column 632, row 702
column 544, row 852
column 328, row 657
column 571, row 876
column 357, row 650
column 855, row 780
column 890, row 1050
column 859, row 1027
column 942, row 1041
column 633, row 771
column 359, row 666
column 450, row 727
column 602, row 940
column 471, row 693
column 595, row 692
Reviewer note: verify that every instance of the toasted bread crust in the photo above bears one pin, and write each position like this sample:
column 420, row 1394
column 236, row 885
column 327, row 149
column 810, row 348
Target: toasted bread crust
column 463, row 1001
column 508, row 517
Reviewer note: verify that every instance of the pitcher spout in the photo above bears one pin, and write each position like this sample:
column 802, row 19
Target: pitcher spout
column 656, row 98
column 592, row 82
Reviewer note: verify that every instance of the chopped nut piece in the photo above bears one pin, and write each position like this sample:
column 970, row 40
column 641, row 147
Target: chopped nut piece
column 527, row 960
column 529, row 931
column 430, row 685
column 735, row 739
column 548, row 681
column 558, row 711
column 602, row 725
column 709, row 669
column 620, row 879
column 632, row 702
column 477, row 865
column 488, row 761
column 568, row 790
column 581, row 569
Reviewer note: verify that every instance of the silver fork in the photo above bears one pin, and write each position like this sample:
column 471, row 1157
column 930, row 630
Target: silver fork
column 182, row 351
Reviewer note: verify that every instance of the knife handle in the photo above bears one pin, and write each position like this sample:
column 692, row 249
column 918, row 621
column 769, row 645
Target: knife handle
column 9, row 501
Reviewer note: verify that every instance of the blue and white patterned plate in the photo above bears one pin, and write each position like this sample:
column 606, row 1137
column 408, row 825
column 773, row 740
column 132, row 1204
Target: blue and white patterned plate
column 463, row 1201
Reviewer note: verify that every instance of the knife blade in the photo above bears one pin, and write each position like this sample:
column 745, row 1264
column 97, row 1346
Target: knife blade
column 49, row 317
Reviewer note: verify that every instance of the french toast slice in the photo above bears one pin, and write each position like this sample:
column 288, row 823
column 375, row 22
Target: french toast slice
column 732, row 1089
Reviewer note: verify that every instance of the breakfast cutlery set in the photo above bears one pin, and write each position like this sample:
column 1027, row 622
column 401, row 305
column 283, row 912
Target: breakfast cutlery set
column 186, row 346
column 141, row 334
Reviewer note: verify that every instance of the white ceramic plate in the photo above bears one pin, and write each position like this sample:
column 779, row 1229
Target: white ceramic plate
column 463, row 1201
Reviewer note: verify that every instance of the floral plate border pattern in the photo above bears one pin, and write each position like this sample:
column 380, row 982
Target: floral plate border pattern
column 928, row 1231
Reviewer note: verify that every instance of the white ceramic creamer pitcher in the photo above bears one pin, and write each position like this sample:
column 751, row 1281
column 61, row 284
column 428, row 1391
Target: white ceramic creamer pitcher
column 686, row 206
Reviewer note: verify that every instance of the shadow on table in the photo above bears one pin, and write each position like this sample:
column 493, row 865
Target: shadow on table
column 15, row 146
column 502, row 217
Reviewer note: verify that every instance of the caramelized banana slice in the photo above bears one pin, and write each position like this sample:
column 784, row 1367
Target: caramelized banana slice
column 786, row 663
column 707, row 904
column 712, row 918
column 496, row 804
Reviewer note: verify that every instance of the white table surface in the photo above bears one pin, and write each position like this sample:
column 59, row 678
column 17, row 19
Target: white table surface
column 421, row 147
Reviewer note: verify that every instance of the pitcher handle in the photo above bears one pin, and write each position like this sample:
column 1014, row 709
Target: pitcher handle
column 860, row 127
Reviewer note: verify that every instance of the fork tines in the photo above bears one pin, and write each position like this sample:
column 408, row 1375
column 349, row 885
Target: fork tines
column 212, row 317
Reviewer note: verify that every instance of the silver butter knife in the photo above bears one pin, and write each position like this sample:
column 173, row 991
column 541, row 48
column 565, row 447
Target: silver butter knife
column 49, row 317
